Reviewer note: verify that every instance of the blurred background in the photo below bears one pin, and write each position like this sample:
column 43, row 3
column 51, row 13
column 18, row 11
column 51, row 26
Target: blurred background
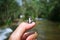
column 46, row 14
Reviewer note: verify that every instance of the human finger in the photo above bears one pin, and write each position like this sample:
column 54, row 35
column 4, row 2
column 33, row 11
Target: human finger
column 32, row 36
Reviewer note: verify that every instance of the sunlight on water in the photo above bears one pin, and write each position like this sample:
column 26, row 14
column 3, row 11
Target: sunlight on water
column 5, row 33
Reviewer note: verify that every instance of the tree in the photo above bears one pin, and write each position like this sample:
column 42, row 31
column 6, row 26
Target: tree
column 8, row 8
column 41, row 8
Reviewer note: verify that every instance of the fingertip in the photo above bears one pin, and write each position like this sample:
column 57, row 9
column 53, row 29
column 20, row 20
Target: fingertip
column 33, row 23
column 29, row 26
column 32, row 37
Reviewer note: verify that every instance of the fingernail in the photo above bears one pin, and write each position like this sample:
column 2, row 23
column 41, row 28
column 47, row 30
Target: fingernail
column 31, row 33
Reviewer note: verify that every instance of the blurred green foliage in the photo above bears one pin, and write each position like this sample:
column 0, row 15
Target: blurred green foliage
column 8, row 10
column 48, row 9
column 35, row 8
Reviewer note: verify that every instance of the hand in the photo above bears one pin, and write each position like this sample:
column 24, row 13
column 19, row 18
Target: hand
column 21, row 34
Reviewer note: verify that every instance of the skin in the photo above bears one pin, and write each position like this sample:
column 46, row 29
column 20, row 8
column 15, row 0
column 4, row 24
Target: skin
column 21, row 34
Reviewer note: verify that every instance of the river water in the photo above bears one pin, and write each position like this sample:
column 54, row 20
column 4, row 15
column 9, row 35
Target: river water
column 47, row 30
